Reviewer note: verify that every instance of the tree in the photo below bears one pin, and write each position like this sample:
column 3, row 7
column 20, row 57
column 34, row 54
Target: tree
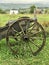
column 46, row 11
column 32, row 8
column 2, row 11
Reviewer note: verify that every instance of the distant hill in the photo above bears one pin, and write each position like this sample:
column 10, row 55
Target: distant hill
column 17, row 6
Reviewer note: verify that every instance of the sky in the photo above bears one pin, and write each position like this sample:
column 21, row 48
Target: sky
column 24, row 1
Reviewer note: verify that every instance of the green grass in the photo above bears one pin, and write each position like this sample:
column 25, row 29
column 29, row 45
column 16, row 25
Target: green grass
column 6, row 56
column 42, row 18
column 4, row 18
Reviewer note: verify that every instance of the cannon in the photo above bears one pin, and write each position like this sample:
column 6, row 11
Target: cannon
column 24, row 30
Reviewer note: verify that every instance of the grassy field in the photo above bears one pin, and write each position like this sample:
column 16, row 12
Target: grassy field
column 4, row 18
column 6, row 56
column 43, row 19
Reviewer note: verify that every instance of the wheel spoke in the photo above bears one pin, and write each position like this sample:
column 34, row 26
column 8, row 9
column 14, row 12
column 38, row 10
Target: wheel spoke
column 31, row 27
column 34, row 33
column 30, row 48
column 34, row 27
column 34, row 43
column 36, row 38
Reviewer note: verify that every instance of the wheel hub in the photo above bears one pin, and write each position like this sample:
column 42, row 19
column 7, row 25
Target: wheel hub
column 25, row 37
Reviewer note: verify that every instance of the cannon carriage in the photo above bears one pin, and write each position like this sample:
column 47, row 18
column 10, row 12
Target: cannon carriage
column 25, row 30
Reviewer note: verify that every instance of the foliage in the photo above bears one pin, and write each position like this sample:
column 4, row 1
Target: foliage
column 46, row 11
column 23, row 11
column 2, row 11
column 32, row 9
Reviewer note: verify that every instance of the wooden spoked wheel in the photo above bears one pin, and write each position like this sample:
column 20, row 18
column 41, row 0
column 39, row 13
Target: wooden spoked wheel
column 27, row 35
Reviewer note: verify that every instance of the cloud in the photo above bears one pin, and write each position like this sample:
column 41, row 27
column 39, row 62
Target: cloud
column 23, row 1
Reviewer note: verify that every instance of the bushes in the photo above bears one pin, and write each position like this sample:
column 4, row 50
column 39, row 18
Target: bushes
column 45, row 24
column 2, row 11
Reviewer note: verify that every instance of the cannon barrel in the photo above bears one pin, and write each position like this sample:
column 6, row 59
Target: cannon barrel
column 3, row 32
